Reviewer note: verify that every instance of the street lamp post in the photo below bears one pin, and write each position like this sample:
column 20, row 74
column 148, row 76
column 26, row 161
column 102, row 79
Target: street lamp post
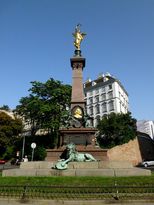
column 33, row 146
column 24, row 134
column 23, row 147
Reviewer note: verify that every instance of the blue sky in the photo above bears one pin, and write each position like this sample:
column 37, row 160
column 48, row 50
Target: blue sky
column 36, row 43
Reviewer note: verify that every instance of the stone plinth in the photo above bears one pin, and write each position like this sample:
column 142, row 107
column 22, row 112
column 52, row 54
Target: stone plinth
column 79, row 136
column 99, row 165
column 96, row 152
column 109, row 168
column 36, row 165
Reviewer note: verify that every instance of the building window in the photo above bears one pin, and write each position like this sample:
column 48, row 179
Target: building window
column 111, row 105
column 120, row 106
column 103, row 90
column 90, row 93
column 119, row 94
column 110, row 87
column 104, row 107
column 97, row 91
column 97, row 99
column 103, row 96
column 91, row 110
column 97, row 107
column 91, row 122
column 90, row 100
column 110, row 95
column 97, row 119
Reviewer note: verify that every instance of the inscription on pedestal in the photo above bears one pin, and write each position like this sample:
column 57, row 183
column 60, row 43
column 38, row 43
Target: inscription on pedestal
column 76, row 139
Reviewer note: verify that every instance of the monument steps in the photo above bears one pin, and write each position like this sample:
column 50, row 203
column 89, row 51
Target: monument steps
column 107, row 168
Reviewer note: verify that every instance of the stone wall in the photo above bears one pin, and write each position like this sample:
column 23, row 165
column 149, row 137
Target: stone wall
column 126, row 152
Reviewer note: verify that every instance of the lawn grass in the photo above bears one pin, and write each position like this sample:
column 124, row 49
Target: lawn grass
column 58, row 187
column 77, row 181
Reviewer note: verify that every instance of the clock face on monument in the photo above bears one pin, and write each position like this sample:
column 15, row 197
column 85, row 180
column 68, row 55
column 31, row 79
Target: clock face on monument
column 77, row 112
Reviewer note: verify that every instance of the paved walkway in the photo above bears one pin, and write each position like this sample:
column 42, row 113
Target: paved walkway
column 71, row 202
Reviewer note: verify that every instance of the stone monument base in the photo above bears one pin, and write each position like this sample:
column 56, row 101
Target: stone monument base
column 96, row 152
column 108, row 168
column 84, row 140
column 84, row 137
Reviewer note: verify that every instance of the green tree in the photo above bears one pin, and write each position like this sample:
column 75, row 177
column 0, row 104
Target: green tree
column 116, row 129
column 5, row 107
column 10, row 128
column 44, row 106
column 40, row 153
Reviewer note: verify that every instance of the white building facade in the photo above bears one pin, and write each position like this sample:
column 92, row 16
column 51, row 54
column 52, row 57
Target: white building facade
column 146, row 126
column 104, row 96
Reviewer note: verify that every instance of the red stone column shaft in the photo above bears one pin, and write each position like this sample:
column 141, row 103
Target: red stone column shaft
column 77, row 97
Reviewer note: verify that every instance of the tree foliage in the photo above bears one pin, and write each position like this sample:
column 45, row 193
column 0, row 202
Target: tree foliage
column 116, row 129
column 10, row 128
column 40, row 153
column 5, row 107
column 44, row 106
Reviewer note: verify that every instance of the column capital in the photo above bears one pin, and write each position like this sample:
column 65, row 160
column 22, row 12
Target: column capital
column 77, row 62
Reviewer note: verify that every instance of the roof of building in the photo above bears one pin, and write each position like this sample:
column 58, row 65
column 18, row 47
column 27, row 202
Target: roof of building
column 102, row 80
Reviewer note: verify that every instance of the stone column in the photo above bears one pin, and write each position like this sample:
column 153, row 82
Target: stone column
column 77, row 98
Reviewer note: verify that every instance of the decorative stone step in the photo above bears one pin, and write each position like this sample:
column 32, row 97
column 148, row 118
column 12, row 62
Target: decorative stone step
column 36, row 165
column 99, row 165
column 115, row 164
column 77, row 165
column 77, row 172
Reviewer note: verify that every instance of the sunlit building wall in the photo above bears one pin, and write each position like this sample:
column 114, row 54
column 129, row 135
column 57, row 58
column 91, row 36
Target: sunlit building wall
column 103, row 96
column 146, row 126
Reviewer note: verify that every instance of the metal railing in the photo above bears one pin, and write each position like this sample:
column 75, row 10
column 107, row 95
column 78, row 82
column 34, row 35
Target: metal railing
column 78, row 192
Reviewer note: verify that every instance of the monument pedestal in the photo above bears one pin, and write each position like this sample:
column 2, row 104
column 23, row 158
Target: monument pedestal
column 81, row 137
column 96, row 152
column 84, row 140
column 76, row 124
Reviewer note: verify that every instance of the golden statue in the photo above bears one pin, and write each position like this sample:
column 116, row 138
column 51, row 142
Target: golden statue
column 78, row 37
column 78, row 113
